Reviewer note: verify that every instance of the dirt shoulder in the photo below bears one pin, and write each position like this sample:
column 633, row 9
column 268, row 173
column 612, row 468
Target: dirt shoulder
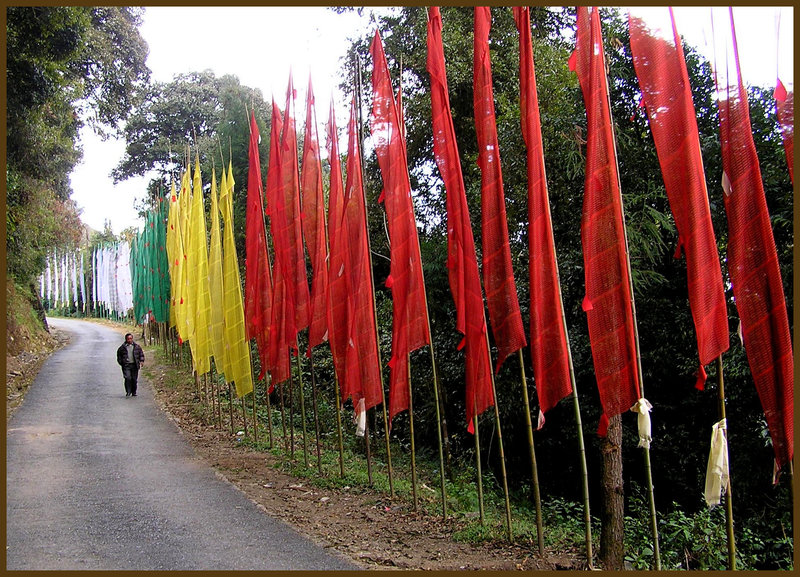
column 366, row 526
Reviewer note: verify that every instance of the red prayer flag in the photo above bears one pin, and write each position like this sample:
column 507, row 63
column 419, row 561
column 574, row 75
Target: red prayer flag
column 258, row 280
column 667, row 96
column 549, row 347
column 362, row 365
column 278, row 358
column 498, row 274
column 339, row 303
column 753, row 263
column 287, row 230
column 410, row 320
column 462, row 264
column 313, row 217
column 607, row 302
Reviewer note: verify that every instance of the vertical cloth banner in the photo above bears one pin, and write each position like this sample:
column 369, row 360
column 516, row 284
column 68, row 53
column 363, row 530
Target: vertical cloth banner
column 410, row 318
column 258, row 282
column 462, row 263
column 237, row 360
column 549, row 347
column 498, row 275
column 607, row 303
column 661, row 68
column 340, row 309
column 361, row 359
column 216, row 287
column 278, row 357
column 83, row 285
column 752, row 256
column 200, row 309
column 313, row 219
column 173, row 252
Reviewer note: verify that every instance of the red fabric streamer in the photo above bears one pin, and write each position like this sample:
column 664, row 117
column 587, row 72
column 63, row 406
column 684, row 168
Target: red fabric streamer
column 753, row 265
column 410, row 320
column 258, row 282
column 314, row 225
column 278, row 357
column 667, row 95
column 462, row 264
column 287, row 230
column 549, row 347
column 339, row 303
column 362, row 368
column 608, row 298
column 784, row 104
column 498, row 274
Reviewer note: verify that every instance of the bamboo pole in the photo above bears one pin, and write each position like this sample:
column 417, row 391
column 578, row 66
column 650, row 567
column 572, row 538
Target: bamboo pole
column 439, row 421
column 267, row 383
column 411, row 434
column 537, row 500
column 314, row 407
column 478, row 466
column 291, row 411
column 366, row 444
column 255, row 404
column 339, row 422
column 502, row 459
column 302, row 407
column 728, row 496
column 283, row 419
column 230, row 403
column 372, row 281
column 646, row 450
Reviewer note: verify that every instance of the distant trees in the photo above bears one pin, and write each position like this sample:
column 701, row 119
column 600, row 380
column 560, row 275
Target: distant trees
column 63, row 64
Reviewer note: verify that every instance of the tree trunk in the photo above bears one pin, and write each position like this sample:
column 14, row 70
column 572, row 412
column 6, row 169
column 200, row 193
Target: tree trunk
column 612, row 547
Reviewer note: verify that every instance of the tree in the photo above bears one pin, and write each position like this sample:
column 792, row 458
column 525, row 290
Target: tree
column 62, row 62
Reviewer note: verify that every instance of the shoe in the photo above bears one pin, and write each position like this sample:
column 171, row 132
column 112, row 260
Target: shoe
column 127, row 394
column 133, row 394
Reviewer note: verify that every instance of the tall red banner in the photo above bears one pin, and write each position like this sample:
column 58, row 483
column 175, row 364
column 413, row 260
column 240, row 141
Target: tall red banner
column 410, row 320
column 462, row 264
column 278, row 357
column 498, row 274
column 313, row 217
column 339, row 303
column 753, row 262
column 549, row 347
column 361, row 360
column 258, row 282
column 607, row 302
column 661, row 69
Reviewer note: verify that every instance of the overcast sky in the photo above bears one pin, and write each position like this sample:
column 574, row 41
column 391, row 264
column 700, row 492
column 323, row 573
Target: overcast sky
column 258, row 44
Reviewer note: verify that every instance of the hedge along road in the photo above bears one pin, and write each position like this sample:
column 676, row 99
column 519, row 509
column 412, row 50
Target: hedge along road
column 95, row 480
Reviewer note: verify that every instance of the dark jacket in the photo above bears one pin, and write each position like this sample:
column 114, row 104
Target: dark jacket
column 122, row 354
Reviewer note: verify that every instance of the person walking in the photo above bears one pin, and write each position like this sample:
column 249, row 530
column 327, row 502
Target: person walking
column 130, row 357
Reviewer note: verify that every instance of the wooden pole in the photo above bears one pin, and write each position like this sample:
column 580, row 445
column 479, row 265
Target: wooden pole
column 283, row 419
column 339, row 422
column 267, row 383
column 478, row 466
column 291, row 411
column 411, row 434
column 502, row 459
column 537, row 500
column 439, row 422
column 647, row 466
column 372, row 281
column 728, row 496
column 314, row 407
column 302, row 407
column 230, row 404
column 366, row 445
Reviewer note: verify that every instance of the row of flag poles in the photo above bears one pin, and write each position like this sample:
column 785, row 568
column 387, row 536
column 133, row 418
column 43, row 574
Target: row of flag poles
column 179, row 277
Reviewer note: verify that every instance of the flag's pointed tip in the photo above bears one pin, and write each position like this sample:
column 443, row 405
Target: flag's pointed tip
column 462, row 343
column 389, row 281
column 701, row 379
column 572, row 62
column 471, row 427
column 602, row 427
column 586, row 305
column 780, row 92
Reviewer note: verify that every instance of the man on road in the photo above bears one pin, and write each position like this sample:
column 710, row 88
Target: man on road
column 130, row 357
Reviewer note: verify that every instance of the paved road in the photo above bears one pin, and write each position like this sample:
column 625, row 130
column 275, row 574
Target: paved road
column 96, row 480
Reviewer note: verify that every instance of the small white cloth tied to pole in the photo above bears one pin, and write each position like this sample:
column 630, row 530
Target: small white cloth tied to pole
column 643, row 407
column 717, row 471
column 361, row 419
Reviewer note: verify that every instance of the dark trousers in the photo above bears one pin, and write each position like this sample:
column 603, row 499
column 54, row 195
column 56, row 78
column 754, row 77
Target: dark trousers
column 131, row 374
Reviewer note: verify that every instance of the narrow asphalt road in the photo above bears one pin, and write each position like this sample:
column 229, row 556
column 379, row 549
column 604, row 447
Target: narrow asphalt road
column 95, row 480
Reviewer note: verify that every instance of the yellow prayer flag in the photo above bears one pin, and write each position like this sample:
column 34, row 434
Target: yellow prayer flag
column 215, row 283
column 238, row 350
column 200, row 305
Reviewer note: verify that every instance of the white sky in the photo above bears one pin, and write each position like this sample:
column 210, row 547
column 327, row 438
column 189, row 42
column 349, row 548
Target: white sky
column 258, row 44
